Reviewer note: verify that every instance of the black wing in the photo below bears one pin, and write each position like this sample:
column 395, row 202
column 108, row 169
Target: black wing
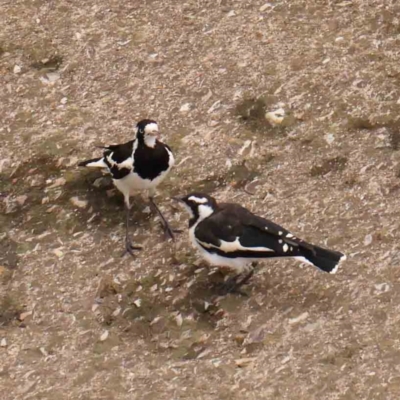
column 116, row 155
column 233, row 231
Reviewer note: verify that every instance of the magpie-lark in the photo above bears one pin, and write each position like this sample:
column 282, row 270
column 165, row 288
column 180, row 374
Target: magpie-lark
column 229, row 235
column 140, row 164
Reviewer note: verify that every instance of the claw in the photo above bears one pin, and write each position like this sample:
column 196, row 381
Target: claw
column 130, row 248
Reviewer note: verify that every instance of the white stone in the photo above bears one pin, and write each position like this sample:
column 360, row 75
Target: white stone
column 368, row 240
column 78, row 202
column 275, row 117
column 329, row 138
column 185, row 108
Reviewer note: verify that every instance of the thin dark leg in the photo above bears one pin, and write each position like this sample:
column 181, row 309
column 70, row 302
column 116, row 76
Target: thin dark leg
column 167, row 228
column 245, row 279
column 233, row 284
column 129, row 247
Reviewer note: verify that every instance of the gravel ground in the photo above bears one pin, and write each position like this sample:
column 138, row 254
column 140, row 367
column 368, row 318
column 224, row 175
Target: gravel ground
column 77, row 321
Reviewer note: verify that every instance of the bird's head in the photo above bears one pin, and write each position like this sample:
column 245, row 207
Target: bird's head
column 198, row 205
column 147, row 132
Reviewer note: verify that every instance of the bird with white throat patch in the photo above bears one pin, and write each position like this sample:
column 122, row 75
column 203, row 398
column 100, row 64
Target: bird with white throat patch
column 140, row 164
column 229, row 235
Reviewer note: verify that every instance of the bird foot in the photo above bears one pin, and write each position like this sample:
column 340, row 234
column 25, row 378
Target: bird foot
column 130, row 248
column 234, row 284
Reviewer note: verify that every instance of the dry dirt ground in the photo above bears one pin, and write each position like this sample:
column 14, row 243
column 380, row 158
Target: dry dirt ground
column 77, row 321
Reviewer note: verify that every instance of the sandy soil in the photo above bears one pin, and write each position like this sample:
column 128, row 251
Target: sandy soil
column 77, row 321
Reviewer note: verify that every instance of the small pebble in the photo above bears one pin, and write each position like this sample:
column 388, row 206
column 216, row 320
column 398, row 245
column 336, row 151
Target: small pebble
column 244, row 362
column 58, row 182
column 78, row 203
column 275, row 117
column 21, row 199
column 185, row 108
column 179, row 320
column 329, row 138
column 24, row 315
column 368, row 240
column 382, row 287
column 58, row 253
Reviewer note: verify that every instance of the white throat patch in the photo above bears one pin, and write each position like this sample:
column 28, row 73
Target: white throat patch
column 150, row 140
column 204, row 212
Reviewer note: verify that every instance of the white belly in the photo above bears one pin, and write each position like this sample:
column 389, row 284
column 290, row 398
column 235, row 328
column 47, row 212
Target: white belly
column 133, row 182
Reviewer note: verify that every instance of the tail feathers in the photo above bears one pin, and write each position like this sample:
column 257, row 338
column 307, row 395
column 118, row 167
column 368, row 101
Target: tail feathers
column 93, row 163
column 324, row 259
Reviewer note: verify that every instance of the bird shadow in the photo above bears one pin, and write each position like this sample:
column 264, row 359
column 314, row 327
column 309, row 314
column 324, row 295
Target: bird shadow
column 40, row 193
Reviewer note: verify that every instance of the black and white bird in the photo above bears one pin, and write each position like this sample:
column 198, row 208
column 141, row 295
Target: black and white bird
column 140, row 164
column 229, row 235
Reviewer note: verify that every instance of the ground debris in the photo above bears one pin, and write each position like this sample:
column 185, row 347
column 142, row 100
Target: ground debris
column 300, row 318
column 245, row 362
column 257, row 335
column 104, row 336
column 78, row 202
column 208, row 72
column 25, row 315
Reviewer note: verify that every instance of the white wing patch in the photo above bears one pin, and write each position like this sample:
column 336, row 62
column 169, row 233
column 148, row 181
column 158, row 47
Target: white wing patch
column 110, row 159
column 200, row 200
column 128, row 163
column 97, row 164
column 229, row 247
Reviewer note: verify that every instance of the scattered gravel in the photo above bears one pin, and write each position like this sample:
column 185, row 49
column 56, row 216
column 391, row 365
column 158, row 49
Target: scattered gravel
column 79, row 321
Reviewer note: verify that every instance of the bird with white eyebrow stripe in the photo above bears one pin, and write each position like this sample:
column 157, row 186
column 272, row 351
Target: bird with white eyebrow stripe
column 229, row 235
column 140, row 164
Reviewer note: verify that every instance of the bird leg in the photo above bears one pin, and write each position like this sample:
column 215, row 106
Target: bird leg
column 233, row 284
column 129, row 247
column 246, row 278
column 167, row 228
